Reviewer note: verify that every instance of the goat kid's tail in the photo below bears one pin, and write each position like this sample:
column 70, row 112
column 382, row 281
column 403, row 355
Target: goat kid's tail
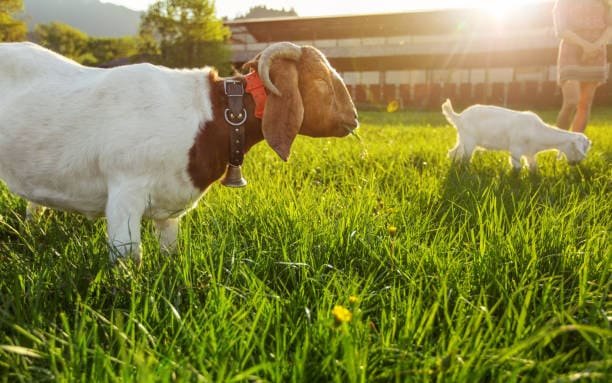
column 449, row 113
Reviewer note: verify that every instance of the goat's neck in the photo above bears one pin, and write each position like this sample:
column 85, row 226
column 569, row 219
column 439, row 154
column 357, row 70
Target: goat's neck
column 557, row 136
column 209, row 155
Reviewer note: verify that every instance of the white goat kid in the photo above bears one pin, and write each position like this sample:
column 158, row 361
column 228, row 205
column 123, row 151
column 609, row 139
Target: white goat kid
column 147, row 141
column 523, row 134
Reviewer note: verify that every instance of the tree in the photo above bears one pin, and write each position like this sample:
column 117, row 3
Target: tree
column 185, row 33
column 261, row 11
column 105, row 50
column 65, row 40
column 80, row 47
column 11, row 29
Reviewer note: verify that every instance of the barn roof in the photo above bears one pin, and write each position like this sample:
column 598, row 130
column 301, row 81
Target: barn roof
column 448, row 21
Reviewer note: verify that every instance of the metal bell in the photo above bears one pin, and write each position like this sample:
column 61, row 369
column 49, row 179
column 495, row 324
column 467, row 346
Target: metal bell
column 233, row 177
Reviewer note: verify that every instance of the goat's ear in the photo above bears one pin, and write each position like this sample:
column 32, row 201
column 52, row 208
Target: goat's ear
column 284, row 113
column 581, row 146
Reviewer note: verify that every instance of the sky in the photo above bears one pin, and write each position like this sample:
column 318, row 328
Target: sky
column 233, row 8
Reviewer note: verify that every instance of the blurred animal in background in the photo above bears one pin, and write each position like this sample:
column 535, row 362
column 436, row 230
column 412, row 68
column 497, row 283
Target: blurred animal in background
column 523, row 134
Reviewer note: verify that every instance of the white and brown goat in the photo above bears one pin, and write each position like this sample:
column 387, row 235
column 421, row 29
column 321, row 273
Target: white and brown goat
column 143, row 140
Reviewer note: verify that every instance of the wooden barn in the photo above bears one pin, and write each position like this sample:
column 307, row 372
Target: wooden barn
column 421, row 58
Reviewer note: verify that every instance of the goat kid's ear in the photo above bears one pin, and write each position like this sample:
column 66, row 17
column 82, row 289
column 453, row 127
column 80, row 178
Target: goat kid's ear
column 586, row 145
column 581, row 146
column 283, row 114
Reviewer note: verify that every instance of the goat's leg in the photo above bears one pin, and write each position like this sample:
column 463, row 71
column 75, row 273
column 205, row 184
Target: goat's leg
column 456, row 153
column 167, row 230
column 468, row 150
column 531, row 163
column 462, row 151
column 515, row 160
column 124, row 212
column 33, row 210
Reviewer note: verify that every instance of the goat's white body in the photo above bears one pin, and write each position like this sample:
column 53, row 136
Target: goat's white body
column 84, row 139
column 523, row 134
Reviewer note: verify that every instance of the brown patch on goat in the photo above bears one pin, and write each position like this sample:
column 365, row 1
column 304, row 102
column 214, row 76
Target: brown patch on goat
column 209, row 154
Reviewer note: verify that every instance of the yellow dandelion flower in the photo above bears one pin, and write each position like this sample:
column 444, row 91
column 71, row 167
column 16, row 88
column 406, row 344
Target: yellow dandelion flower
column 392, row 230
column 393, row 106
column 341, row 314
column 353, row 299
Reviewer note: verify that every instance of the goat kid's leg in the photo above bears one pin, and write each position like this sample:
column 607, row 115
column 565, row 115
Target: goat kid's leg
column 33, row 211
column 462, row 151
column 456, row 153
column 468, row 150
column 124, row 212
column 167, row 230
column 531, row 163
column 515, row 161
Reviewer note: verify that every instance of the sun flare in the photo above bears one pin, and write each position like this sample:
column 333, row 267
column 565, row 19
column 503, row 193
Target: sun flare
column 498, row 10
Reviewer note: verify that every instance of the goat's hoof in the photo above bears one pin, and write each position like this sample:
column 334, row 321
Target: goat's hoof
column 126, row 262
column 123, row 259
column 168, row 249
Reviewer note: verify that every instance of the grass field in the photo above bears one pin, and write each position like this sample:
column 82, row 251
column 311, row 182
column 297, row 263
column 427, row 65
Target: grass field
column 450, row 274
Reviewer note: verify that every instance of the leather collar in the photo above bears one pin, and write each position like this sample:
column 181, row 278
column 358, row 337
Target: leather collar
column 235, row 115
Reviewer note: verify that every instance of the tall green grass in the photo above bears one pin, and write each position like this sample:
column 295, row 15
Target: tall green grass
column 459, row 273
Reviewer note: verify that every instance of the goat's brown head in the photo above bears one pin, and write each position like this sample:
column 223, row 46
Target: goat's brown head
column 307, row 96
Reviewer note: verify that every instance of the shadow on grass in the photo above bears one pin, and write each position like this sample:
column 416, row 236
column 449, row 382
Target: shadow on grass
column 517, row 223
column 468, row 185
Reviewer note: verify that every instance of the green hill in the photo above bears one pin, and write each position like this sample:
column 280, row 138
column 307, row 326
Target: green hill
column 91, row 16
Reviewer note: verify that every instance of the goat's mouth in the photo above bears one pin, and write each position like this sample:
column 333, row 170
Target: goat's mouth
column 350, row 127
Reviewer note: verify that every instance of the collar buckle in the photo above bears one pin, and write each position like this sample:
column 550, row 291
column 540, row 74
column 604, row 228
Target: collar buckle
column 233, row 88
column 235, row 114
